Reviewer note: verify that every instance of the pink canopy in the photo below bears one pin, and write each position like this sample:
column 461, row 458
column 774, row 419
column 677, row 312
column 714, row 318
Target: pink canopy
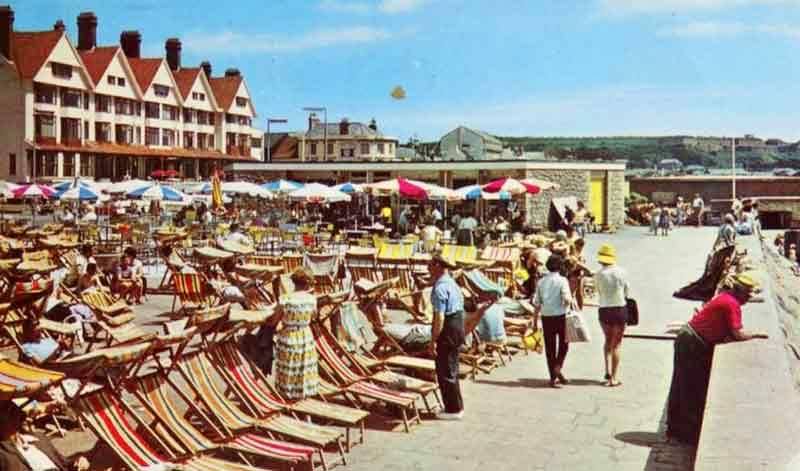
column 512, row 186
column 32, row 191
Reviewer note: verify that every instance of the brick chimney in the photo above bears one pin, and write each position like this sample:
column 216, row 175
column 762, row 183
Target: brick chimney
column 233, row 73
column 313, row 121
column 206, row 66
column 173, row 48
column 6, row 28
column 373, row 125
column 344, row 127
column 131, row 42
column 87, row 31
column 59, row 26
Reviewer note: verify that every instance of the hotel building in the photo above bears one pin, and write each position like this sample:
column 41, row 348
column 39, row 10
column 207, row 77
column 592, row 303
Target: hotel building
column 105, row 112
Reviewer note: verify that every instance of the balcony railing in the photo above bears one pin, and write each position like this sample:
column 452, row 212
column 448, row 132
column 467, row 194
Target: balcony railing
column 46, row 139
column 71, row 141
column 238, row 151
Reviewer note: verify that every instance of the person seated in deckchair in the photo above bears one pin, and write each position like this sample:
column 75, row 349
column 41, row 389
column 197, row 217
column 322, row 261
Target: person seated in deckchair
column 36, row 347
column 22, row 451
column 90, row 279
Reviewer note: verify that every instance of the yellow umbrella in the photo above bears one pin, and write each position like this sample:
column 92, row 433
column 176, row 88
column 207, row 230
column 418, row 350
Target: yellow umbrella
column 216, row 192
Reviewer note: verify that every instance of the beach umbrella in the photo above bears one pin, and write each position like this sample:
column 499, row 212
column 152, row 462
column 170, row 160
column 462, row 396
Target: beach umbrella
column 411, row 189
column 126, row 186
column 169, row 173
column 512, row 186
column 33, row 190
column 542, row 184
column 349, row 188
column 318, row 193
column 236, row 188
column 474, row 192
column 281, row 186
column 78, row 192
column 7, row 187
column 156, row 192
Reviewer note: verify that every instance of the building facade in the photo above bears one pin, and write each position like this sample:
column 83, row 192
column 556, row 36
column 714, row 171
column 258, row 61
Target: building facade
column 344, row 140
column 463, row 143
column 105, row 112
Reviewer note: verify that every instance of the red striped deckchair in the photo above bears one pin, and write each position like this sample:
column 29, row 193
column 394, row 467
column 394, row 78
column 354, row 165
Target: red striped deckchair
column 361, row 263
column 152, row 392
column 193, row 291
column 115, row 312
column 196, row 371
column 105, row 416
column 342, row 376
column 255, row 389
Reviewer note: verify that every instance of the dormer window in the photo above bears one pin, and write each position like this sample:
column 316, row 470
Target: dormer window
column 61, row 70
column 161, row 90
column 112, row 80
column 198, row 96
column 241, row 101
column 120, row 82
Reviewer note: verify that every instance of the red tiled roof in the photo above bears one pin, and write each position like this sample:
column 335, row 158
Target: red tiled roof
column 225, row 89
column 185, row 78
column 145, row 70
column 143, row 151
column 97, row 61
column 30, row 50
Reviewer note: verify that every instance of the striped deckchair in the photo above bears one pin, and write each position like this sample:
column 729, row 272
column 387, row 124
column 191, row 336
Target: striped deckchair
column 196, row 371
column 255, row 389
column 325, row 268
column 506, row 260
column 390, row 252
column 460, row 253
column 153, row 392
column 361, row 264
column 332, row 361
column 193, row 291
column 394, row 261
column 105, row 416
column 22, row 380
column 291, row 262
column 114, row 312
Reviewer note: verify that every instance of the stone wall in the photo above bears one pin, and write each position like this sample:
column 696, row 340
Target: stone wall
column 616, row 198
column 573, row 183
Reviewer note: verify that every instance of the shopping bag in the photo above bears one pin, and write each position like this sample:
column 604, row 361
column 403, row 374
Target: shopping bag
column 633, row 311
column 576, row 328
column 534, row 341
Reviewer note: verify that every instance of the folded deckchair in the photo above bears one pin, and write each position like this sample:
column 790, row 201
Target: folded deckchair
column 193, row 290
column 19, row 379
column 325, row 268
column 361, row 264
column 465, row 254
column 260, row 394
column 115, row 312
column 196, row 371
column 106, row 416
column 362, row 387
column 153, row 392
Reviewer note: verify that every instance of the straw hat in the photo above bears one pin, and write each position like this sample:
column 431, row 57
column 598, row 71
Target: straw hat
column 438, row 258
column 607, row 254
column 745, row 282
column 560, row 247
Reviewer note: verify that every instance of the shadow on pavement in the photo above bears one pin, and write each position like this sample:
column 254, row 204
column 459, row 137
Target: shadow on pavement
column 664, row 454
column 539, row 383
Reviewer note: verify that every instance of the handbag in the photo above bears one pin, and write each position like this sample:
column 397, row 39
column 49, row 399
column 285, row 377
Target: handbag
column 633, row 311
column 534, row 341
column 576, row 330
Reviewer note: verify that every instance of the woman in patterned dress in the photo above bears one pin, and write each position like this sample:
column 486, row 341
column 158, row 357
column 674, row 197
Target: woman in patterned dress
column 296, row 375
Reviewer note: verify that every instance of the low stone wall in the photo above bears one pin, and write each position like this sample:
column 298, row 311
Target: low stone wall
column 751, row 417
column 786, row 294
column 573, row 183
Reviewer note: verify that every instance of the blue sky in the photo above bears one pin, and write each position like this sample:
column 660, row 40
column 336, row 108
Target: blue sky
column 509, row 67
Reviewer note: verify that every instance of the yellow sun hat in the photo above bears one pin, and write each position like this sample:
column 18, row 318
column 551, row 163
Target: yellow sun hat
column 607, row 254
column 745, row 281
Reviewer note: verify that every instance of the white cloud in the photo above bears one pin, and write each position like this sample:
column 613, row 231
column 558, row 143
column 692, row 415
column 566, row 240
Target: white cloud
column 628, row 7
column 243, row 43
column 715, row 29
column 344, row 7
column 399, row 6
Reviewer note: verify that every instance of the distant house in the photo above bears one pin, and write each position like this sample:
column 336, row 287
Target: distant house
column 463, row 143
column 670, row 165
column 346, row 141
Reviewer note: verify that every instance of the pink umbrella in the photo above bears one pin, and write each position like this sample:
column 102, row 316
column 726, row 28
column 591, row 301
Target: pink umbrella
column 512, row 186
column 33, row 191
column 410, row 189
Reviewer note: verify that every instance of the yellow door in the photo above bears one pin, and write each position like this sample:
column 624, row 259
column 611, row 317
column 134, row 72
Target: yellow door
column 597, row 200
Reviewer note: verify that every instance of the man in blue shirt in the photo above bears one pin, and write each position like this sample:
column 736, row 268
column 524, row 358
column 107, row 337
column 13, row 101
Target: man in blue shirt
column 447, row 335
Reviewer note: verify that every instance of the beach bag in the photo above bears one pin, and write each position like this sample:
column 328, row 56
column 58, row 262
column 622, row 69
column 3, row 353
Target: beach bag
column 534, row 341
column 633, row 311
column 576, row 330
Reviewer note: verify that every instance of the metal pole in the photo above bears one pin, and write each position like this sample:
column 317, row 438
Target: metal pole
column 325, row 134
column 733, row 166
column 269, row 143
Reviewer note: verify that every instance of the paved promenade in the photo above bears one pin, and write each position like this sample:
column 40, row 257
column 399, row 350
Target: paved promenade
column 514, row 421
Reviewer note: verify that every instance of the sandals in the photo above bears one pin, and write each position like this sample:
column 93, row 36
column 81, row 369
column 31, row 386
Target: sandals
column 612, row 384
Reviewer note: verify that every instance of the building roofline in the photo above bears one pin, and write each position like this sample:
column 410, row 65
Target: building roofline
column 395, row 165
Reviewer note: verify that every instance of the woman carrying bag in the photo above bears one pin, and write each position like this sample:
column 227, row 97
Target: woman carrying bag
column 612, row 292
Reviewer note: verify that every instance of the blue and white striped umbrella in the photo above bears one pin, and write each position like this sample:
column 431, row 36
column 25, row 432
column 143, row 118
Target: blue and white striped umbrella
column 474, row 192
column 79, row 193
column 282, row 186
column 158, row 192
column 349, row 188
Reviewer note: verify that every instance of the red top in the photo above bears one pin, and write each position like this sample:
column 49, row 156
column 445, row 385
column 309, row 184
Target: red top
column 718, row 319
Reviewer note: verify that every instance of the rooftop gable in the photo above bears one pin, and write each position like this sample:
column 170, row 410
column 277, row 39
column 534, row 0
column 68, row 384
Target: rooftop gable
column 226, row 89
column 97, row 61
column 145, row 70
column 30, row 50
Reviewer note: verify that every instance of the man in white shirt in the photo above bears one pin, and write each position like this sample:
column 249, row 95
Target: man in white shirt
column 90, row 216
column 551, row 300
column 436, row 215
column 237, row 236
column 698, row 205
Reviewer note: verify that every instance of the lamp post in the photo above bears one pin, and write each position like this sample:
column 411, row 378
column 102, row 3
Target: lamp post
column 269, row 136
column 733, row 167
column 324, row 110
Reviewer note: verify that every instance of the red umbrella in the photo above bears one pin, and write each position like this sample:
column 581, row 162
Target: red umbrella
column 512, row 186
column 170, row 173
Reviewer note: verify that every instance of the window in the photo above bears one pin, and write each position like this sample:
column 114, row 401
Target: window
column 85, row 101
column 364, row 148
column 202, row 117
column 61, row 70
column 230, row 119
column 124, row 134
column 241, row 101
column 210, row 141
column 211, row 119
column 102, row 103
column 230, row 139
column 102, row 132
column 47, row 164
column 120, row 82
column 168, row 137
column 152, row 110
column 69, row 164
column 45, row 126
column 330, row 148
column 86, row 165
column 161, row 90
column 126, row 107
column 44, row 94
column 151, row 136
column 347, row 152
column 381, row 147
column 243, row 120
column 188, row 115
column 255, row 142
column 138, row 135
column 70, row 131
column 12, row 164
column 169, row 113
column 111, row 80
column 199, row 96
column 188, row 139
column 71, row 98
column 312, row 148
column 86, row 129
